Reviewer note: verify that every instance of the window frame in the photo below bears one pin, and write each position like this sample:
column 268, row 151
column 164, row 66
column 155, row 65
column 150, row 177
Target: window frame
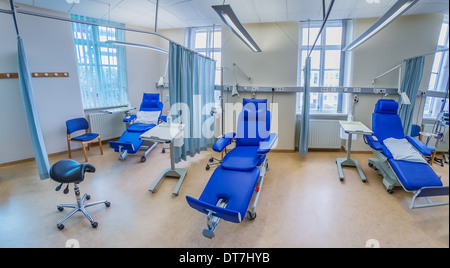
column 90, row 40
column 323, row 47
column 210, row 50
column 434, row 104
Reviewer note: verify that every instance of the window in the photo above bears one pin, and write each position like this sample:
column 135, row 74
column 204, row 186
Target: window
column 327, row 63
column 439, row 75
column 101, row 66
column 208, row 42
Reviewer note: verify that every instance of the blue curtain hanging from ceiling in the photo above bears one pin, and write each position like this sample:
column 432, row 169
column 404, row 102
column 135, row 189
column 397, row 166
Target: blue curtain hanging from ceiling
column 34, row 127
column 31, row 114
column 191, row 88
column 410, row 85
column 304, row 121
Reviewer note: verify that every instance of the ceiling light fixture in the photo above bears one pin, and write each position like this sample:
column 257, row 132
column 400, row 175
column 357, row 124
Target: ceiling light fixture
column 230, row 19
column 400, row 7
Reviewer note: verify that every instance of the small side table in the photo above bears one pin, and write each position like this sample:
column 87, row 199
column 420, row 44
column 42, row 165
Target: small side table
column 167, row 133
column 352, row 128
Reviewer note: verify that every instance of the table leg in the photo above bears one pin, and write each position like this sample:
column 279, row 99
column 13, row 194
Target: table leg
column 171, row 172
column 349, row 162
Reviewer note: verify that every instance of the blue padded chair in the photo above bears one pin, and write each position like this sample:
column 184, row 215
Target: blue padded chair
column 415, row 177
column 129, row 142
column 231, row 187
column 77, row 124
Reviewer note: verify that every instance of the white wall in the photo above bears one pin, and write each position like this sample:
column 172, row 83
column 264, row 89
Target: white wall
column 406, row 37
column 145, row 67
column 275, row 66
column 49, row 48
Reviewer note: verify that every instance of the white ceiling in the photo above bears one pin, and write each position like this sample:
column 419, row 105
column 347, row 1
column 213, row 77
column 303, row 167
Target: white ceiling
column 191, row 13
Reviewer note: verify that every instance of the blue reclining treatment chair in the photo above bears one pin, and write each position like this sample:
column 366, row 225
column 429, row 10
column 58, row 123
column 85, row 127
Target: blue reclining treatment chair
column 416, row 177
column 129, row 142
column 229, row 191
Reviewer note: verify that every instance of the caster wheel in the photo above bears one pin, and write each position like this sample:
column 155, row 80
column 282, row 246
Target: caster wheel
column 88, row 197
column 211, row 159
column 108, row 204
column 251, row 216
column 60, row 208
column 143, row 159
column 60, row 226
column 370, row 165
column 208, row 167
column 163, row 150
column 390, row 191
column 94, row 224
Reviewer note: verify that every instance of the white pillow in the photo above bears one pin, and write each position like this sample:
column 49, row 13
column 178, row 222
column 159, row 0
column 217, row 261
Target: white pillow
column 147, row 117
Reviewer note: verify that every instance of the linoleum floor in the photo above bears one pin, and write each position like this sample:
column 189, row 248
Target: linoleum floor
column 302, row 204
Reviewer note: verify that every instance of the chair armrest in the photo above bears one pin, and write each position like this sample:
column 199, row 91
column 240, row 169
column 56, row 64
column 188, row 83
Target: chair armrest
column 420, row 146
column 373, row 142
column 223, row 142
column 386, row 152
column 267, row 144
column 129, row 118
column 163, row 118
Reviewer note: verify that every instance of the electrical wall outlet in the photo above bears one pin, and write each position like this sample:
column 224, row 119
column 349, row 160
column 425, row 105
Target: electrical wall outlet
column 379, row 90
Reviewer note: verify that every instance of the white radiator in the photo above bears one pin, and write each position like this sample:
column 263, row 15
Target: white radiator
column 109, row 126
column 324, row 134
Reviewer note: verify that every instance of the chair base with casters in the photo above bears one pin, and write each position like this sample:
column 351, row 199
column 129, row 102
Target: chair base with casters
column 69, row 171
column 399, row 169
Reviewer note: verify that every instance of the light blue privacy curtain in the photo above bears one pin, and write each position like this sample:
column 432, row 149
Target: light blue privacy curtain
column 410, row 85
column 26, row 89
column 304, row 122
column 191, row 87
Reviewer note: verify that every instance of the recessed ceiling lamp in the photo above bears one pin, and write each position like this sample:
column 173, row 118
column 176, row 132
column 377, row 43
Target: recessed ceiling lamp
column 230, row 19
column 400, row 7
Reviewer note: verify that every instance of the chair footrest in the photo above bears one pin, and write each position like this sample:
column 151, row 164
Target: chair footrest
column 122, row 146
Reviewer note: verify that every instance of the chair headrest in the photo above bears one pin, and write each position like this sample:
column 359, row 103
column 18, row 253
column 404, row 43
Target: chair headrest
column 255, row 109
column 386, row 107
column 150, row 100
column 254, row 101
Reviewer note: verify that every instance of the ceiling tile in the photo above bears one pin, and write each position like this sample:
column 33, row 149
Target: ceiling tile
column 191, row 13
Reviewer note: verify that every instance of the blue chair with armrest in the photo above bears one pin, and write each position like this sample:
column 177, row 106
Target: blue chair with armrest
column 129, row 142
column 231, row 187
column 416, row 177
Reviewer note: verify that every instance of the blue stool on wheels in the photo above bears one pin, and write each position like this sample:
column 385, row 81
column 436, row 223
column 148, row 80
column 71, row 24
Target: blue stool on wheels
column 70, row 171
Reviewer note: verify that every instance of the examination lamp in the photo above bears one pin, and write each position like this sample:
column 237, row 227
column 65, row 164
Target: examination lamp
column 230, row 19
column 400, row 7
